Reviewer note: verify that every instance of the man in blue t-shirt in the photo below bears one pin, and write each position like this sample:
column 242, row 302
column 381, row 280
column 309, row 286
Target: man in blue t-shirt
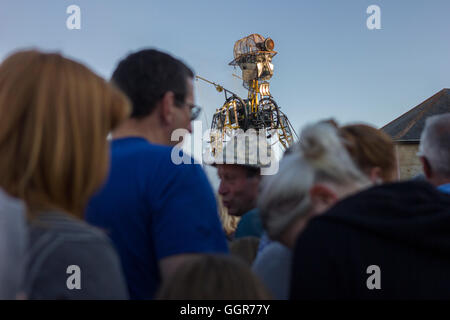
column 157, row 213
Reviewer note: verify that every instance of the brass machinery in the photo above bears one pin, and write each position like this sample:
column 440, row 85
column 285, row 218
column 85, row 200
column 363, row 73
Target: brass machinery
column 253, row 54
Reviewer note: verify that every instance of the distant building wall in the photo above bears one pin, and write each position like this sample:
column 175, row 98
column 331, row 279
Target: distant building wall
column 408, row 162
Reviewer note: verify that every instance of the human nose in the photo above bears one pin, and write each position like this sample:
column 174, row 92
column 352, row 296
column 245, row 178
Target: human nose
column 222, row 188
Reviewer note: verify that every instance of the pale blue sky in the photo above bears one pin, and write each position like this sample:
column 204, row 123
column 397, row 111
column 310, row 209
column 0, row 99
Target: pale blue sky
column 329, row 64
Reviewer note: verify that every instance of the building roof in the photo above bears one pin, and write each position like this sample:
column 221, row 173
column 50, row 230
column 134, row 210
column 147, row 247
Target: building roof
column 408, row 127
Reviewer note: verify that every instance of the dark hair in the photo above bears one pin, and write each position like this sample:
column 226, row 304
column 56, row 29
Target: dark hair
column 213, row 277
column 145, row 76
column 252, row 171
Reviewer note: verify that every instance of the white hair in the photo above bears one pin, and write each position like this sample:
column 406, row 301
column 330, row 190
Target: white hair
column 435, row 143
column 318, row 157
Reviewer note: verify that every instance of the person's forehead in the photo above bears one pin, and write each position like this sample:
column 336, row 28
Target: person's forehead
column 231, row 168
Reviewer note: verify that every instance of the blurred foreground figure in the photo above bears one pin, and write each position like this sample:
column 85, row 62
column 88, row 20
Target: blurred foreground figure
column 213, row 277
column 391, row 241
column 56, row 115
column 13, row 243
column 434, row 151
column 314, row 175
column 372, row 151
column 158, row 213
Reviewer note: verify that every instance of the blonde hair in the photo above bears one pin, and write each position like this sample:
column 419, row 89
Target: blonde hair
column 319, row 156
column 370, row 148
column 229, row 222
column 55, row 116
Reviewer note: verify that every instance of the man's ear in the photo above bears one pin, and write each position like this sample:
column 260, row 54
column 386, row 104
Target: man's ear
column 426, row 167
column 322, row 197
column 166, row 108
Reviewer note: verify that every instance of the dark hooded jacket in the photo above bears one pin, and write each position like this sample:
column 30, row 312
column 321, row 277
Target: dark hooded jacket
column 388, row 242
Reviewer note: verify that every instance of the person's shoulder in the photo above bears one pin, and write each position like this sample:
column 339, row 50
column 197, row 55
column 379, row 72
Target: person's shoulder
column 274, row 251
column 250, row 215
column 12, row 217
column 58, row 242
column 251, row 219
column 396, row 199
column 10, row 204
column 56, row 236
column 444, row 188
column 153, row 158
column 249, row 225
column 273, row 262
column 61, row 226
column 138, row 148
column 401, row 190
column 169, row 156
column 276, row 248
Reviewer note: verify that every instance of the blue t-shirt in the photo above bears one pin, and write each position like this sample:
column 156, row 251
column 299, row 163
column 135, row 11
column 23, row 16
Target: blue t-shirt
column 152, row 208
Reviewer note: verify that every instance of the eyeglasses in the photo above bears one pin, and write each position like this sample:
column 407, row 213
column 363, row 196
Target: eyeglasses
column 195, row 110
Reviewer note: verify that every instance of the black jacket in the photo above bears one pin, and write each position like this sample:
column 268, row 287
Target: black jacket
column 402, row 228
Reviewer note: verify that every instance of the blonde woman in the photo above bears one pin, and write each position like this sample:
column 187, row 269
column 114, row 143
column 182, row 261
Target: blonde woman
column 56, row 115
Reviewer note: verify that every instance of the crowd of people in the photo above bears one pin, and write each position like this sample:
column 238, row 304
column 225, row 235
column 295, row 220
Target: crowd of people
column 88, row 189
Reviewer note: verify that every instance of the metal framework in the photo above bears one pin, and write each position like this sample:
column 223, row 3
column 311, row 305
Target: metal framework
column 253, row 54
